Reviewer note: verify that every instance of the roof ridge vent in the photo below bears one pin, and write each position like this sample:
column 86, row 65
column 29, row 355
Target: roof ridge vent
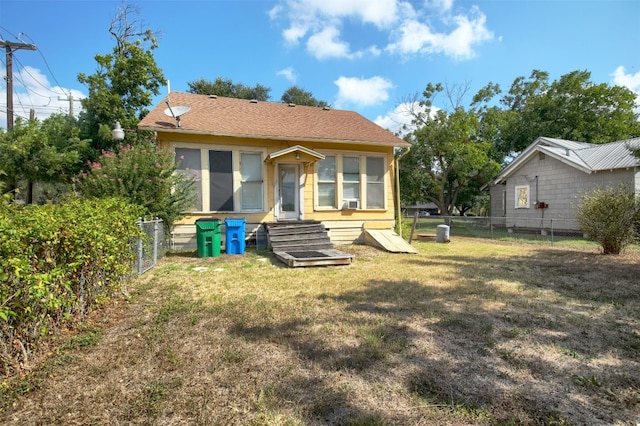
column 213, row 96
column 291, row 104
column 254, row 101
column 326, row 108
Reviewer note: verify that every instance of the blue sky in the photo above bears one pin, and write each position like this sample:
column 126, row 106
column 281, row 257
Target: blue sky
column 370, row 56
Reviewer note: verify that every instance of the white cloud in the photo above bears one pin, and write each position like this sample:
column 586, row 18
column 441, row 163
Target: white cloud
column 326, row 44
column 322, row 21
column 395, row 121
column 361, row 92
column 293, row 34
column 288, row 73
column 630, row 81
column 433, row 29
column 440, row 5
column 32, row 90
column 399, row 120
column 415, row 37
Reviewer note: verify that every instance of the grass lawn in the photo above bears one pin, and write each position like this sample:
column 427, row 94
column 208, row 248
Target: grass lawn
column 470, row 332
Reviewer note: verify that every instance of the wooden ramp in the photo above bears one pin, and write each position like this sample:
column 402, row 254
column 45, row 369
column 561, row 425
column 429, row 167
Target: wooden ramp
column 387, row 240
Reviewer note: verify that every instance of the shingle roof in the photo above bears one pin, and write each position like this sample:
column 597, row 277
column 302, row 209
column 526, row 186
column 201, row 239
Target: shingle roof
column 266, row 120
column 585, row 156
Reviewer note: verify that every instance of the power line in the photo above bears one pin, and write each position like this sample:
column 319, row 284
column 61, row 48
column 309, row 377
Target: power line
column 44, row 59
column 36, row 80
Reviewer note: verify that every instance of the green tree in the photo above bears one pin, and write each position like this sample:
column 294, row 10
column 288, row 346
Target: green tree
column 447, row 161
column 608, row 215
column 573, row 108
column 143, row 175
column 124, row 84
column 50, row 151
column 227, row 88
column 298, row 96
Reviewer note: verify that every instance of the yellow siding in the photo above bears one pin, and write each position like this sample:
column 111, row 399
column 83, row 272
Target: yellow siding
column 344, row 225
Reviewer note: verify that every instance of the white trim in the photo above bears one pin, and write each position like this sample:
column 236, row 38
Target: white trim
column 236, row 150
column 362, row 155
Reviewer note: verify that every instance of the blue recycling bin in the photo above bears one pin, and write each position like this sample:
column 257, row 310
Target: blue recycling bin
column 234, row 235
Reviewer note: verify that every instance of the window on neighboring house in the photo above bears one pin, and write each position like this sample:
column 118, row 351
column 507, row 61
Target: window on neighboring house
column 344, row 178
column 188, row 161
column 375, row 183
column 251, row 181
column 522, row 197
column 327, row 182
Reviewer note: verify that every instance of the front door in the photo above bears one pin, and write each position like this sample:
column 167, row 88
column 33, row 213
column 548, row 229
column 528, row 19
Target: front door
column 289, row 192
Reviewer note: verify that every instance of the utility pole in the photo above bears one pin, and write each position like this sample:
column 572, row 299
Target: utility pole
column 71, row 100
column 10, row 47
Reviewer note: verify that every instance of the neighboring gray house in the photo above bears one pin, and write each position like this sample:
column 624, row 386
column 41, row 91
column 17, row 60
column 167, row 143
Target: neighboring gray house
column 548, row 179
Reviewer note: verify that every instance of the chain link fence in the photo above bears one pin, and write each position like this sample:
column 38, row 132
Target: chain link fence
column 504, row 228
column 151, row 246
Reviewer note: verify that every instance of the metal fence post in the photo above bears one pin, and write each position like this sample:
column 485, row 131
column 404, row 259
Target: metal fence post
column 140, row 249
column 156, row 240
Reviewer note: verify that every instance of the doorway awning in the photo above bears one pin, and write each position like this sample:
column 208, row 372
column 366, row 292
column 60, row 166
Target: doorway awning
column 295, row 153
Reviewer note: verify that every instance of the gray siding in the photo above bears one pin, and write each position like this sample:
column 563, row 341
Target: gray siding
column 560, row 186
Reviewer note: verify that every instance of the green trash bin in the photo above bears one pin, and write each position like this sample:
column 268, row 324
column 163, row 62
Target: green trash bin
column 208, row 237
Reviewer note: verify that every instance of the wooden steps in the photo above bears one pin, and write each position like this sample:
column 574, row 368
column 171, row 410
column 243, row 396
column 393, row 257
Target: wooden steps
column 304, row 243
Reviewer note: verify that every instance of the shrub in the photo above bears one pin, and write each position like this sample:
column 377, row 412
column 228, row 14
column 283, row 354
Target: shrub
column 56, row 261
column 144, row 175
column 607, row 217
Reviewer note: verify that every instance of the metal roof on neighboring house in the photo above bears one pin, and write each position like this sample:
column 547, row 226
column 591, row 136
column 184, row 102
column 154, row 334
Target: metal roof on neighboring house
column 221, row 116
column 587, row 157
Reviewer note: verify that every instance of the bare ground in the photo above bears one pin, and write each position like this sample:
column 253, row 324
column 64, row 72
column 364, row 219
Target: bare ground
column 470, row 332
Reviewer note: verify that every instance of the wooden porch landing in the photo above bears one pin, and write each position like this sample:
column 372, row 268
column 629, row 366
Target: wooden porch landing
column 324, row 257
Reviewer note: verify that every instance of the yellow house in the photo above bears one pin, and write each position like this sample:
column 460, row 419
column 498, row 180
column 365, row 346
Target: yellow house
column 272, row 162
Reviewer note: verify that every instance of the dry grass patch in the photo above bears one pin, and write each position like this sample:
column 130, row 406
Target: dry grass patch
column 470, row 332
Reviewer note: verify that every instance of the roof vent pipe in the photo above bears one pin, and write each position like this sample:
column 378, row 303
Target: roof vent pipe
column 566, row 151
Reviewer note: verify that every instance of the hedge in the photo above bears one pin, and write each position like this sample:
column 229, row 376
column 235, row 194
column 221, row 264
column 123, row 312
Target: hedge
column 56, row 262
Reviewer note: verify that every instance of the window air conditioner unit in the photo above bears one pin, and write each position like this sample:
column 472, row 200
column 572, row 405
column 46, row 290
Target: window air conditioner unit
column 353, row 204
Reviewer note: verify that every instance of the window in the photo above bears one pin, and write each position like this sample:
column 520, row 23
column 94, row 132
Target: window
column 343, row 178
column 227, row 180
column 351, row 178
column 188, row 161
column 221, row 181
column 251, row 181
column 327, row 182
column 375, row 183
column 522, row 197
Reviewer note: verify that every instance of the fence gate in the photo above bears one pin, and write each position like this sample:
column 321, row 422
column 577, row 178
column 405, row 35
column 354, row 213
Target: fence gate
column 150, row 245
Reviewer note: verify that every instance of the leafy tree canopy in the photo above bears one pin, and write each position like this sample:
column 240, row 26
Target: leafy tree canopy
column 572, row 108
column 448, row 163
column 143, row 175
column 124, row 83
column 48, row 151
column 299, row 96
column 226, row 87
